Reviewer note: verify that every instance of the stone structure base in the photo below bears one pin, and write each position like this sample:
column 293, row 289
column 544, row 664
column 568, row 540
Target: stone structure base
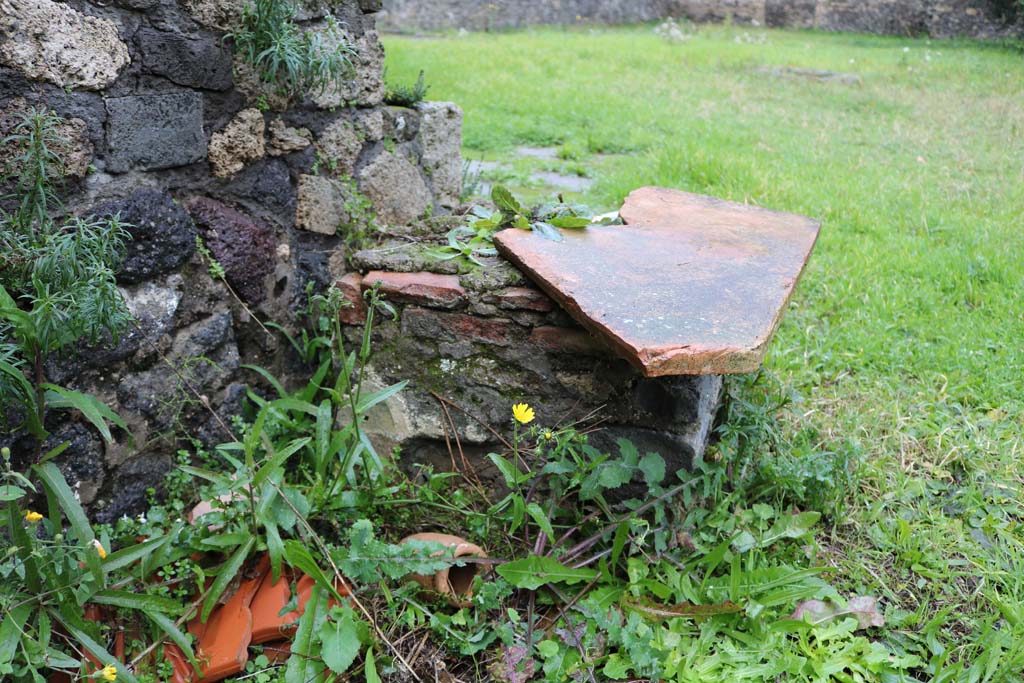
column 479, row 342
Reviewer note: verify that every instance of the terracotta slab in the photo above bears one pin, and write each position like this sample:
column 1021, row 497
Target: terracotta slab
column 692, row 285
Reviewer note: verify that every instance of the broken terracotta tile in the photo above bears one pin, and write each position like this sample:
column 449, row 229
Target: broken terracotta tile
column 691, row 285
column 521, row 298
column 351, row 286
column 223, row 641
column 426, row 289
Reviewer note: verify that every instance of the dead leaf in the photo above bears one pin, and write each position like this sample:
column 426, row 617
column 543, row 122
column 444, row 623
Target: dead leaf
column 685, row 609
column 863, row 608
column 514, row 665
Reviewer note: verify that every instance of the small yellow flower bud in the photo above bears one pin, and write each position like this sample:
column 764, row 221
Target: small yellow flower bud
column 109, row 673
column 102, row 552
column 32, row 517
column 548, row 436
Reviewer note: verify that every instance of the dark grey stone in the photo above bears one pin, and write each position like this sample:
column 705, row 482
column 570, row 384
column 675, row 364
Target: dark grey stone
column 152, row 306
column 149, row 132
column 163, row 235
column 126, row 493
column 139, row 5
column 82, row 461
column 267, row 184
column 204, row 356
column 198, row 61
column 310, row 256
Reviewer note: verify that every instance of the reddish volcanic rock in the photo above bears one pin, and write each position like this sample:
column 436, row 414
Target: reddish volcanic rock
column 692, row 285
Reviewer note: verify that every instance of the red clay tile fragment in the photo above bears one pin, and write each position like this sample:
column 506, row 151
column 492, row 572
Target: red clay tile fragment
column 692, row 285
column 223, row 641
column 522, row 298
column 351, row 286
column 425, row 289
column 183, row 671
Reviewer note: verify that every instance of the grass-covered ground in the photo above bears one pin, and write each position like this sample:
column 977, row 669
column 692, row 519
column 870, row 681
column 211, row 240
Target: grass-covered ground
column 905, row 341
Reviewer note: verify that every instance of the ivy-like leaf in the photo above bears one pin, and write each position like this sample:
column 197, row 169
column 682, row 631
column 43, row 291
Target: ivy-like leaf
column 569, row 222
column 504, row 200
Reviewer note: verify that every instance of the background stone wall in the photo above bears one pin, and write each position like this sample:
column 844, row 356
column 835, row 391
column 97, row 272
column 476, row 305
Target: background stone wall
column 474, row 15
column 166, row 127
column 936, row 18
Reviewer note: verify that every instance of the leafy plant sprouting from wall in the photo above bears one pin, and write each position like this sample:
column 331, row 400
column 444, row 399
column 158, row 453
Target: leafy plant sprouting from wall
column 296, row 61
column 57, row 287
column 401, row 95
column 57, row 282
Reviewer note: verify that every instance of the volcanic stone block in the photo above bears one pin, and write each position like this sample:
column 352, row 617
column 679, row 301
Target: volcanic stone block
column 243, row 246
column 323, row 204
column 199, row 61
column 51, row 41
column 795, row 13
column 148, row 132
column 693, row 285
column 240, row 142
column 440, row 137
column 395, row 187
column 163, row 235
column 339, row 145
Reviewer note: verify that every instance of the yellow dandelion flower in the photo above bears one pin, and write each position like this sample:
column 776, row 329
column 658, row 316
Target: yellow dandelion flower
column 102, row 552
column 32, row 517
column 109, row 673
column 523, row 413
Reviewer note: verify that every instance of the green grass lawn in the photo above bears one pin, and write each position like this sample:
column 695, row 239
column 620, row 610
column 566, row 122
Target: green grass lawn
column 906, row 333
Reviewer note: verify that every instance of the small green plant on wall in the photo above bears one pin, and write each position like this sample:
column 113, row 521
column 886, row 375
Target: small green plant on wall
column 57, row 282
column 296, row 61
column 401, row 95
column 57, row 287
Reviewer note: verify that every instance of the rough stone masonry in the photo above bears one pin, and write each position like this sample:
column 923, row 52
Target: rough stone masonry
column 163, row 124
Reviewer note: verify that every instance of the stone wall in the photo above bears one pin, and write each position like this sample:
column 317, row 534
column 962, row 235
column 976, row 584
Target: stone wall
column 167, row 127
column 480, row 15
column 936, row 18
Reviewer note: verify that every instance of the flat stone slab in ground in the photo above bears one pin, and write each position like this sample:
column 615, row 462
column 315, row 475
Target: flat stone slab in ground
column 691, row 285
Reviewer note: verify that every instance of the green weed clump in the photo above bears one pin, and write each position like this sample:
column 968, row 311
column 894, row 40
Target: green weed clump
column 296, row 61
column 57, row 283
column 401, row 95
